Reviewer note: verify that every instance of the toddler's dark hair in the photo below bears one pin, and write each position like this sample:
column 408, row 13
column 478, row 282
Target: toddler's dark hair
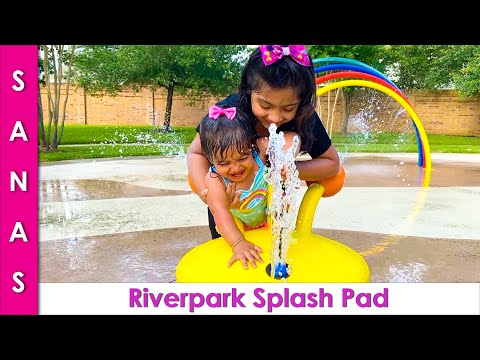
column 285, row 72
column 219, row 135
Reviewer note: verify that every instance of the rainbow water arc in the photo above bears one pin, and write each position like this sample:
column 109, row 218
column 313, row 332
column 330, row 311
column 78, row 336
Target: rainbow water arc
column 357, row 68
column 363, row 83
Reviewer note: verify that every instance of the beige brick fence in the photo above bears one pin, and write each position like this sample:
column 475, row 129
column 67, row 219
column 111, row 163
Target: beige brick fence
column 440, row 112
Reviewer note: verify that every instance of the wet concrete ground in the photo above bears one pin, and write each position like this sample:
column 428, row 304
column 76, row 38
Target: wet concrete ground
column 132, row 220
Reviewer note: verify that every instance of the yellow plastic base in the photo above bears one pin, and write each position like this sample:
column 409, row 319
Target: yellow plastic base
column 311, row 258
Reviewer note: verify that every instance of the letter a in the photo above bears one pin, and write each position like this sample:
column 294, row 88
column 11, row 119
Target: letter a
column 18, row 126
column 18, row 226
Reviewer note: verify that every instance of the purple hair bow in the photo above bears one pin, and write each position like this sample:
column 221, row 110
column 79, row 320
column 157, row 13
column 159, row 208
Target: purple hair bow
column 215, row 112
column 273, row 53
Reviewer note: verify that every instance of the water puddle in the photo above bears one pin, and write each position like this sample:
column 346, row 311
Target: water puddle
column 88, row 189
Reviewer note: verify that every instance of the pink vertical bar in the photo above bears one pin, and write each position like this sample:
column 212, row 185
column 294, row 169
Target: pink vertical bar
column 19, row 258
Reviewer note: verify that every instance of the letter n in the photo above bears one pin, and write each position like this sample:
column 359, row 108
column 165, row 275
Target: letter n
column 15, row 179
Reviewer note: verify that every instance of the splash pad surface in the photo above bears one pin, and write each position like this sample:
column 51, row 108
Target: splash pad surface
column 129, row 233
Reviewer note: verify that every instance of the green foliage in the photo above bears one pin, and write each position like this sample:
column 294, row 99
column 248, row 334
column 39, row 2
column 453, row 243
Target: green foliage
column 192, row 69
column 369, row 54
column 98, row 69
column 188, row 70
column 431, row 67
column 426, row 67
column 467, row 79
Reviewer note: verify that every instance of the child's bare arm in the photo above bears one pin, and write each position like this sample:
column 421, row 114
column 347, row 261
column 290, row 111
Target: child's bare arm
column 197, row 167
column 289, row 137
column 217, row 201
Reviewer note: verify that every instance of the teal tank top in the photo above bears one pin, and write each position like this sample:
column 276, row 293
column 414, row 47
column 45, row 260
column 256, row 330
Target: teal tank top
column 253, row 211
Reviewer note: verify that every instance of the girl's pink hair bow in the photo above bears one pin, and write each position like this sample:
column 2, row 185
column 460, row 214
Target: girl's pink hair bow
column 216, row 111
column 273, row 53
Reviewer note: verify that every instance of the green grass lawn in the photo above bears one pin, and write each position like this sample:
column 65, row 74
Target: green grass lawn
column 101, row 141
column 110, row 134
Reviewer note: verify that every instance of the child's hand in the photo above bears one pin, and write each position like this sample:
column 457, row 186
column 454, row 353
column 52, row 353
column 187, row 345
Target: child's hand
column 233, row 195
column 246, row 252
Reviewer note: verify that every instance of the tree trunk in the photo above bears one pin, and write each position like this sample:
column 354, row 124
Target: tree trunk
column 154, row 116
column 54, row 56
column 41, row 128
column 168, row 110
column 85, row 105
column 46, row 52
column 64, row 113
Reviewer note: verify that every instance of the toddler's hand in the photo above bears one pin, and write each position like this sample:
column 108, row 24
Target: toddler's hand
column 246, row 252
column 233, row 196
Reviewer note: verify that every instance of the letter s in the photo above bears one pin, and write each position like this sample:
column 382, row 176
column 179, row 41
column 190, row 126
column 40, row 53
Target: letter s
column 19, row 282
column 257, row 292
column 17, row 78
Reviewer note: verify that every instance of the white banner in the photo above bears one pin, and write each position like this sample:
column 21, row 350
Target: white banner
column 259, row 299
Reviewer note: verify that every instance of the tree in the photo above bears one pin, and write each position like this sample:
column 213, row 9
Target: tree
column 189, row 70
column 467, row 79
column 98, row 71
column 52, row 59
column 426, row 67
column 431, row 67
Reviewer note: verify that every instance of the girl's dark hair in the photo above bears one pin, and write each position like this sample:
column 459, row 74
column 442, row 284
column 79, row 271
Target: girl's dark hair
column 286, row 72
column 219, row 135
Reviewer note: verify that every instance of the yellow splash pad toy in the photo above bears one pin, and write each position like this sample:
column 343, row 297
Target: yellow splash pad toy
column 310, row 257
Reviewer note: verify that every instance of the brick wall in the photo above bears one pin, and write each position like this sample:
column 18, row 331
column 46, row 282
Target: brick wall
column 440, row 112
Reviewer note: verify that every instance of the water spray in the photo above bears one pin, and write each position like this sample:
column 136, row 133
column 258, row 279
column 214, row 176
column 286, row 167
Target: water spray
column 283, row 205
